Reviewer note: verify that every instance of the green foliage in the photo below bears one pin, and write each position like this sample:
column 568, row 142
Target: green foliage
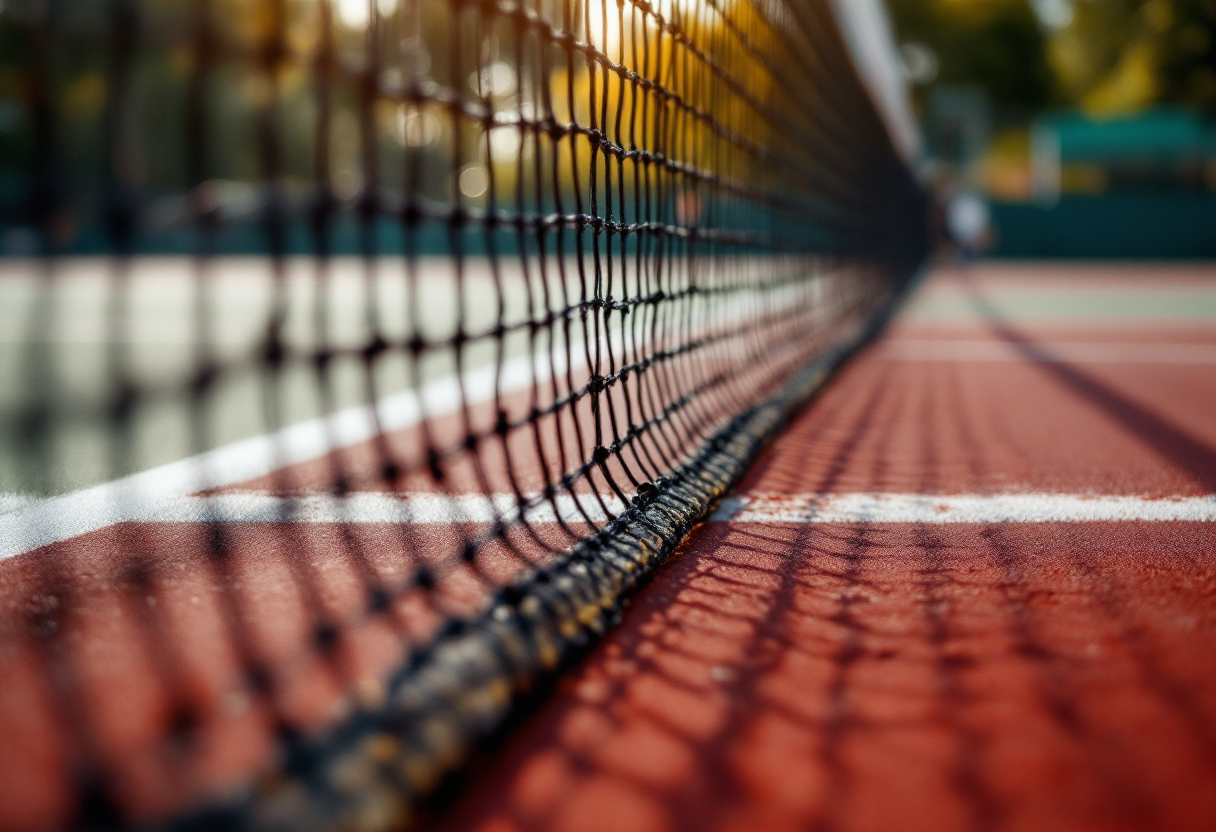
column 1114, row 57
column 1188, row 55
column 1119, row 56
column 995, row 44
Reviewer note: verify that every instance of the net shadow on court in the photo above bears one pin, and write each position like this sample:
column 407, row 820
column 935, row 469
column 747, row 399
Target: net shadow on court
column 365, row 357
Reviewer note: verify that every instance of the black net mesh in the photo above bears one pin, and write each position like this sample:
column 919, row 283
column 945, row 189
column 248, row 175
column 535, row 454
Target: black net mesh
column 334, row 332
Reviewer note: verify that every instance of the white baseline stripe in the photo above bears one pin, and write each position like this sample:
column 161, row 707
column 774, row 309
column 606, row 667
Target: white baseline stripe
column 1056, row 351
column 27, row 524
column 436, row 508
column 369, row 508
column 163, row 493
column 962, row 508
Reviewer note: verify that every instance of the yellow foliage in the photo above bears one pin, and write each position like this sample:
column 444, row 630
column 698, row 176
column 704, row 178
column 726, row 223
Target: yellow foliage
column 85, row 96
column 1159, row 14
column 1082, row 179
column 1005, row 169
column 1010, row 145
column 1131, row 87
column 692, row 132
column 1120, row 57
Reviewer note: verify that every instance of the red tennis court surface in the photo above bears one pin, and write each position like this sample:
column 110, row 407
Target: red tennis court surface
column 972, row 586
column 1005, row 642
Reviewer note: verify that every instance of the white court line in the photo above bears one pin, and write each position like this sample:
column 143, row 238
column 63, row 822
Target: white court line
column 27, row 524
column 367, row 508
column 963, row 508
column 1053, row 351
column 163, row 493
column 423, row 508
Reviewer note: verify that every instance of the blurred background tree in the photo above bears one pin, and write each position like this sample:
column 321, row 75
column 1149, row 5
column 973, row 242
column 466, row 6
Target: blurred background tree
column 1117, row 57
column 1107, row 57
column 997, row 45
column 1090, row 125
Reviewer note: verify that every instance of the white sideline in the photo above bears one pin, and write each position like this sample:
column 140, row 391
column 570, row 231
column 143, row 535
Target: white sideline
column 963, row 508
column 1052, row 352
column 27, row 524
column 162, row 494
column 373, row 508
column 362, row 507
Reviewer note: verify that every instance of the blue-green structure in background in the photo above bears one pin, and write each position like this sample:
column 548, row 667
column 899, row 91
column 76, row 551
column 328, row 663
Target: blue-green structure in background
column 1135, row 187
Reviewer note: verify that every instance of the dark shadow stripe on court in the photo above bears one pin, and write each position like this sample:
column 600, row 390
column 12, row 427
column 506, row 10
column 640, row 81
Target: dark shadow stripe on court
column 1181, row 449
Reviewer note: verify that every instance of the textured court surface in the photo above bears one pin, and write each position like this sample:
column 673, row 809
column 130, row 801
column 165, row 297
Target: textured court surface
column 972, row 586
column 858, row 673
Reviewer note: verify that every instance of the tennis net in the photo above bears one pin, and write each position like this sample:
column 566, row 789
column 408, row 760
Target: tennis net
column 361, row 357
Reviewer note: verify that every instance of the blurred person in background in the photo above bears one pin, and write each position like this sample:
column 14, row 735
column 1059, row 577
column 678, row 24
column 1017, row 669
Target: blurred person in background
column 963, row 221
column 968, row 223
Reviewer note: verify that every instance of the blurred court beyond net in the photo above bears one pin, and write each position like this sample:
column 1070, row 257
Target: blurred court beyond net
column 358, row 359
